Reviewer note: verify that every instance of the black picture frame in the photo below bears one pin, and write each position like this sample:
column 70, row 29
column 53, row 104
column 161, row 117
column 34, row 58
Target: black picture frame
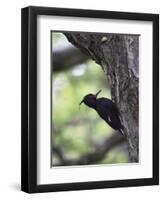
column 29, row 99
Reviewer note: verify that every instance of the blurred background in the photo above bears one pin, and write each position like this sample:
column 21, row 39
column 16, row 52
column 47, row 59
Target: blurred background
column 79, row 136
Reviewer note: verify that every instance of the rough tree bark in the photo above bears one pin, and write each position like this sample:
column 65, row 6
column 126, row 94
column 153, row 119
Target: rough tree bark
column 118, row 56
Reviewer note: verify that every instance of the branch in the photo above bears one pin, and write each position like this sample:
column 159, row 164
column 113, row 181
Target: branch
column 67, row 58
column 98, row 154
column 59, row 152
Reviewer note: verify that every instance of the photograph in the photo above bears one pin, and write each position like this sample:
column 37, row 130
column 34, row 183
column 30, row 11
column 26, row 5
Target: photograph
column 90, row 92
column 94, row 98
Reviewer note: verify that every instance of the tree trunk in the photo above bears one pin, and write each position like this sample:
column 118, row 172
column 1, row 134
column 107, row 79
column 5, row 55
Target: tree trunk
column 118, row 56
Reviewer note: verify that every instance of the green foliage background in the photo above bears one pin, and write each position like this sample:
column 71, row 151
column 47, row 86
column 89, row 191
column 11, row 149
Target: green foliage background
column 74, row 130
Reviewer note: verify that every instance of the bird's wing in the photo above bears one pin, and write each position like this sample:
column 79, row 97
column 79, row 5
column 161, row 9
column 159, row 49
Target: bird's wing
column 109, row 112
column 103, row 108
column 116, row 120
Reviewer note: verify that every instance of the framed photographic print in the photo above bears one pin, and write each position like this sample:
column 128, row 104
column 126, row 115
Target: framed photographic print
column 90, row 99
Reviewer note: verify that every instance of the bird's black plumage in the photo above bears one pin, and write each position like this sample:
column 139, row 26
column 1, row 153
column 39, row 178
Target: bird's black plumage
column 106, row 108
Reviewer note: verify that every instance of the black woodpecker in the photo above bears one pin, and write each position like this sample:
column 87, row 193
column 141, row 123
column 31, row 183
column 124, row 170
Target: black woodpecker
column 106, row 108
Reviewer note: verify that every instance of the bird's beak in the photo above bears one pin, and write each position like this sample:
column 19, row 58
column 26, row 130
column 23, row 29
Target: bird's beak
column 81, row 102
column 98, row 93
